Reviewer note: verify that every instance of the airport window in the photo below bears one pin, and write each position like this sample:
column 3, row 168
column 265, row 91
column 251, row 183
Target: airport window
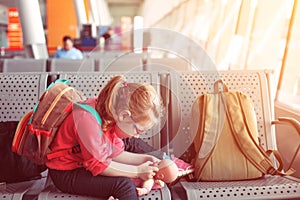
column 289, row 84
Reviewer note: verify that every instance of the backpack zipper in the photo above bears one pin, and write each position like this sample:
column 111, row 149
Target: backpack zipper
column 54, row 103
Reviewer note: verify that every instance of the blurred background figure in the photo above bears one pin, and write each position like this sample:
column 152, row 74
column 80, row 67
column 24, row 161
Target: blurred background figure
column 68, row 51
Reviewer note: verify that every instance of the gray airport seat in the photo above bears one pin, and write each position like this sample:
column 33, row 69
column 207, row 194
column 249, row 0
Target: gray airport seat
column 24, row 65
column 90, row 83
column 185, row 88
column 19, row 92
column 125, row 62
column 172, row 63
column 68, row 65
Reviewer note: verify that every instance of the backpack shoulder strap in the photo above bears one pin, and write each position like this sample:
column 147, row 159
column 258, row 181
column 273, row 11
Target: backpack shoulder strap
column 76, row 148
column 207, row 122
column 91, row 110
column 241, row 117
column 20, row 131
column 213, row 116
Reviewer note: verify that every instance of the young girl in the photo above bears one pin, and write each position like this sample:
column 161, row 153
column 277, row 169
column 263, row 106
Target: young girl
column 98, row 165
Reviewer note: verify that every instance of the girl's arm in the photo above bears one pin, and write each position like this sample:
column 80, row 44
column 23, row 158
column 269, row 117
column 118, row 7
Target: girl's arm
column 144, row 171
column 134, row 158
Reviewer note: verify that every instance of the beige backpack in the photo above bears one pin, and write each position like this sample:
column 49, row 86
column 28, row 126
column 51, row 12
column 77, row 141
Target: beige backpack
column 226, row 138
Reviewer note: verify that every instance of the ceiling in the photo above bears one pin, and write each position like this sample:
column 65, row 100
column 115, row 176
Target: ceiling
column 119, row 7
column 13, row 3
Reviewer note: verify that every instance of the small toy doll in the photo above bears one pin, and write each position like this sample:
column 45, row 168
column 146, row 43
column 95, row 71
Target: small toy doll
column 167, row 173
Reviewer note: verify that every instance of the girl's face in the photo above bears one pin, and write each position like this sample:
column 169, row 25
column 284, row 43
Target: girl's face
column 127, row 128
column 130, row 126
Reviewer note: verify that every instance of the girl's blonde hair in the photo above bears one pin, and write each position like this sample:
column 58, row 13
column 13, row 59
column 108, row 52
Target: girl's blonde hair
column 140, row 99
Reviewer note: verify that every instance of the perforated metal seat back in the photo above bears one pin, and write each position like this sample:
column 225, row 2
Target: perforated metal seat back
column 92, row 83
column 19, row 93
column 187, row 86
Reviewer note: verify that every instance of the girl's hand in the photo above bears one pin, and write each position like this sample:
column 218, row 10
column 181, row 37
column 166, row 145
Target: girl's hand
column 147, row 170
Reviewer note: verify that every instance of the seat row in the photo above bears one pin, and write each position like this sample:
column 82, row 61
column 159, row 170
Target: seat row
column 20, row 91
column 46, row 65
column 122, row 63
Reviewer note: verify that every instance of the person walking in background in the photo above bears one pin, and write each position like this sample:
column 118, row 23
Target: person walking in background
column 68, row 51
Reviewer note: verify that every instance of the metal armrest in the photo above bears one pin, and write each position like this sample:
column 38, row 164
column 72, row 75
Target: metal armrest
column 294, row 123
column 289, row 121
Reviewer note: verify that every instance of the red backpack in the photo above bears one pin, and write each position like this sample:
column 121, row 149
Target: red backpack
column 38, row 127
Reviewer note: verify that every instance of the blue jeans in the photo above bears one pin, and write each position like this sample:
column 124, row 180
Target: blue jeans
column 82, row 182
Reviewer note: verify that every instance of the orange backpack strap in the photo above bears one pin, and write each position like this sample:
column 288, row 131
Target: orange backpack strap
column 279, row 170
column 17, row 143
column 242, row 120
